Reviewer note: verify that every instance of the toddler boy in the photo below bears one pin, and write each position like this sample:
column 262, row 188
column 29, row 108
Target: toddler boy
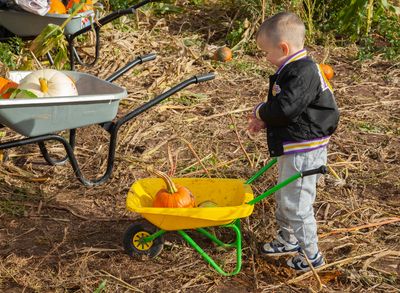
column 299, row 115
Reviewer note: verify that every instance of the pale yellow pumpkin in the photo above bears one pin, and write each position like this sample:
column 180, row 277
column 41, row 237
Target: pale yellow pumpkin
column 207, row 204
column 47, row 83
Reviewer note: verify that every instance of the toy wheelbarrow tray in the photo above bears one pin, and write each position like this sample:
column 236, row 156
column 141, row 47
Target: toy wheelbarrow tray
column 28, row 26
column 97, row 103
column 234, row 199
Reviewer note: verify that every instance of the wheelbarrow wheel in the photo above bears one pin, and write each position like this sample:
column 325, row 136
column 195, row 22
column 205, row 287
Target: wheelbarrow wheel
column 138, row 230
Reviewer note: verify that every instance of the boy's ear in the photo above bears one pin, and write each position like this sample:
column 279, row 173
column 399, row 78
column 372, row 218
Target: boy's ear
column 285, row 48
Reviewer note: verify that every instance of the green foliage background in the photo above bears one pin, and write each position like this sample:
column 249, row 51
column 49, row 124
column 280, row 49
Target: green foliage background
column 373, row 25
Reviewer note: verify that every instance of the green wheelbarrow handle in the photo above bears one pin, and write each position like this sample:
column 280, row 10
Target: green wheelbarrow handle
column 320, row 170
column 262, row 171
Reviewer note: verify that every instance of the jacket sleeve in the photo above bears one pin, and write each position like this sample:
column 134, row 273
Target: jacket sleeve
column 286, row 107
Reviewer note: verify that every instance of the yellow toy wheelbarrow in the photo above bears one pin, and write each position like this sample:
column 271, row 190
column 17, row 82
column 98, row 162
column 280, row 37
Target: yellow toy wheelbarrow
column 234, row 199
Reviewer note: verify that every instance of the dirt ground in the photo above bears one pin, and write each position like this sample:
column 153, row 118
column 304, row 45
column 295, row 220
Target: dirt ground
column 58, row 236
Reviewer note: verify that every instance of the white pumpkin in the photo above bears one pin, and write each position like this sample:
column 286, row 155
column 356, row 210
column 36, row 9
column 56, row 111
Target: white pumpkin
column 47, row 83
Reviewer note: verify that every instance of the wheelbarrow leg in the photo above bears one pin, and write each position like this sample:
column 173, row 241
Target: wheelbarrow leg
column 214, row 239
column 238, row 245
column 70, row 154
column 45, row 153
column 51, row 61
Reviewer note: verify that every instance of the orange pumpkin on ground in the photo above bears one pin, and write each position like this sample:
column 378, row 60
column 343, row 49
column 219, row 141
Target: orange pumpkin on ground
column 223, row 54
column 6, row 84
column 57, row 7
column 88, row 4
column 327, row 70
column 172, row 196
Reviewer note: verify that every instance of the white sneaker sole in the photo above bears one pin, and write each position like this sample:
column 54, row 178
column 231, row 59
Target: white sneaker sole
column 278, row 254
column 306, row 269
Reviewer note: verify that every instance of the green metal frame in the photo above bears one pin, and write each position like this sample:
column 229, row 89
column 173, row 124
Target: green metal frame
column 152, row 236
column 262, row 171
column 235, row 225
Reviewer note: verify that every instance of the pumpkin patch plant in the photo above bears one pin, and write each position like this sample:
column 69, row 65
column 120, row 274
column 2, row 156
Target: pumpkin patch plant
column 173, row 196
column 52, row 37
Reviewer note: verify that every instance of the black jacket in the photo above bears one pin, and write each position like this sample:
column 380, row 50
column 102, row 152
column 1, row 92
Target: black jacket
column 300, row 107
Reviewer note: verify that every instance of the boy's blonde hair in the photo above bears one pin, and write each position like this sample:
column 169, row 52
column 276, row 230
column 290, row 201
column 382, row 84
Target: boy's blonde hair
column 283, row 27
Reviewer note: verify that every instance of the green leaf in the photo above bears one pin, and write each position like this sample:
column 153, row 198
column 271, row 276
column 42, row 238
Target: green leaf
column 165, row 8
column 394, row 9
column 384, row 3
column 61, row 58
column 10, row 90
column 51, row 36
column 27, row 94
column 390, row 7
column 101, row 287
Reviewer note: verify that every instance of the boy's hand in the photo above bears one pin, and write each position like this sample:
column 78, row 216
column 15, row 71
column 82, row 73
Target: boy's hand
column 255, row 125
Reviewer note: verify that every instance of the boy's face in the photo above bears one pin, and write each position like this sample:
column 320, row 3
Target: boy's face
column 275, row 52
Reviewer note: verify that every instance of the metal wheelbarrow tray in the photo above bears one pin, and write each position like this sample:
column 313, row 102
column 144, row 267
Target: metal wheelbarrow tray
column 25, row 24
column 97, row 102
column 28, row 25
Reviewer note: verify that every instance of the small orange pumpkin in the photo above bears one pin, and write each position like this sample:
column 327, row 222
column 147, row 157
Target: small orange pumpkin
column 223, row 54
column 6, row 84
column 3, row 82
column 88, row 4
column 57, row 7
column 172, row 196
column 327, row 70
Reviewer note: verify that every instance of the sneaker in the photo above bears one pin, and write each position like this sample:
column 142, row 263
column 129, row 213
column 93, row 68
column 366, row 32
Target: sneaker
column 299, row 262
column 279, row 246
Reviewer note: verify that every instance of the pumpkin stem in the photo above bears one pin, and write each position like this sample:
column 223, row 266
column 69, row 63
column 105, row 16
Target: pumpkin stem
column 43, row 85
column 171, row 187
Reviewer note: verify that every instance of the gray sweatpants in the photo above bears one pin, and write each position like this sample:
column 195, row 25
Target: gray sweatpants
column 294, row 211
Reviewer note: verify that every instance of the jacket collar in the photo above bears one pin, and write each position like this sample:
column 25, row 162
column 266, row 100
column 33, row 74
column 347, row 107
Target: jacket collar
column 296, row 56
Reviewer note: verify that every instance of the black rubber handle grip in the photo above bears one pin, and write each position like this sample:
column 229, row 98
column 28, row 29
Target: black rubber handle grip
column 148, row 57
column 320, row 170
column 205, row 77
column 138, row 60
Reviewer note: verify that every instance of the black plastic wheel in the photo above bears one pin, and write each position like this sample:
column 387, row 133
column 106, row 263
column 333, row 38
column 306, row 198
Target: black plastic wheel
column 135, row 232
